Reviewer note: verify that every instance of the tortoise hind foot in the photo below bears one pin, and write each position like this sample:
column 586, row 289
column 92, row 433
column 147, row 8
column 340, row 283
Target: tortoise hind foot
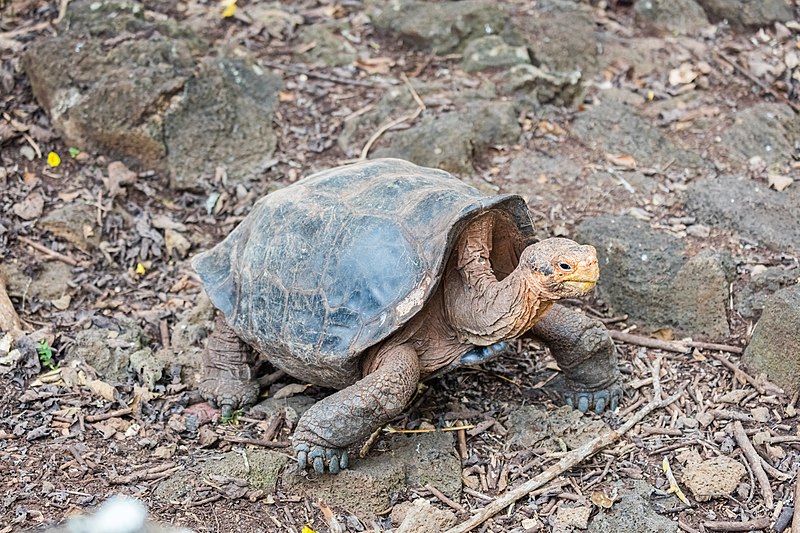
column 228, row 380
column 228, row 393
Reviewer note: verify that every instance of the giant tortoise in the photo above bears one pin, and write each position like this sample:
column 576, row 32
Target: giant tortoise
column 370, row 277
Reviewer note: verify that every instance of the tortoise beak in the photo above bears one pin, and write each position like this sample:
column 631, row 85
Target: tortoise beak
column 585, row 277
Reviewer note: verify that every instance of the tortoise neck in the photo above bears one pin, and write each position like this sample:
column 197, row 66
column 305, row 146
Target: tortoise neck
column 485, row 311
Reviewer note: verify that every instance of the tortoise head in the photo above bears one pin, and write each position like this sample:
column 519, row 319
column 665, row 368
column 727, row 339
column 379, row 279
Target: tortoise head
column 562, row 268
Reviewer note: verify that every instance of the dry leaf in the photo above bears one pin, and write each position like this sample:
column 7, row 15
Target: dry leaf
column 682, row 75
column 29, row 208
column 119, row 175
column 290, row 390
column 175, row 241
column 779, row 182
column 103, row 389
column 600, row 499
column 62, row 304
column 375, row 65
column 622, row 160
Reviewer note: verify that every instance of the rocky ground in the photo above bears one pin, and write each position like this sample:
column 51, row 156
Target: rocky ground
column 666, row 133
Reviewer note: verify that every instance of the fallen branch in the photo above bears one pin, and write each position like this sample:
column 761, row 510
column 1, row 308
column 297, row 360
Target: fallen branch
column 109, row 414
column 796, row 515
column 444, row 499
column 755, row 463
column 570, row 459
column 47, row 251
column 750, row 525
column 257, row 442
column 721, row 57
column 671, row 346
column 737, row 372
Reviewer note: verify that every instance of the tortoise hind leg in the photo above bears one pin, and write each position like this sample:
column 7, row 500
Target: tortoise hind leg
column 227, row 372
column 352, row 414
column 586, row 355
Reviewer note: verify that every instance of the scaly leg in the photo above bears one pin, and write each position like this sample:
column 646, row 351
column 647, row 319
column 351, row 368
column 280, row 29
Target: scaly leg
column 227, row 372
column 352, row 414
column 586, row 355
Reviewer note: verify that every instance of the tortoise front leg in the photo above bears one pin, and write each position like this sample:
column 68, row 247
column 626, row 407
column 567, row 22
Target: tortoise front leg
column 352, row 414
column 227, row 378
column 586, row 355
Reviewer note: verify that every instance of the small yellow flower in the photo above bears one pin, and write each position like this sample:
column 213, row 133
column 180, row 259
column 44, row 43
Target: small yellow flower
column 651, row 95
column 53, row 159
column 140, row 269
column 307, row 529
column 230, row 8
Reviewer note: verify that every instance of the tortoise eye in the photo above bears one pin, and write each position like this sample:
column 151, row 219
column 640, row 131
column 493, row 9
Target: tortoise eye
column 566, row 267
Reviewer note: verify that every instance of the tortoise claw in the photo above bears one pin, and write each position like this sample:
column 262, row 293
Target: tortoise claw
column 597, row 401
column 229, row 395
column 321, row 458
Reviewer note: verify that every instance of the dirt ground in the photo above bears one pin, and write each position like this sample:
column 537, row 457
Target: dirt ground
column 67, row 442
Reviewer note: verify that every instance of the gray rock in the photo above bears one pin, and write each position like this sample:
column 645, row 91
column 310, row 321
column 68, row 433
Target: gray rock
column 372, row 484
column 441, row 27
column 108, row 350
column 147, row 367
column 750, row 300
column 105, row 100
column 717, row 477
column 773, row 348
column 329, row 48
column 532, row 426
column 769, row 131
column 261, row 470
column 145, row 100
column 224, row 119
column 422, row 517
column 671, row 16
column 529, row 166
column 647, row 274
column 633, row 512
column 492, row 52
column 49, row 282
column 540, row 86
column 560, row 35
column 448, row 141
column 615, row 128
column 75, row 222
column 722, row 201
column 742, row 14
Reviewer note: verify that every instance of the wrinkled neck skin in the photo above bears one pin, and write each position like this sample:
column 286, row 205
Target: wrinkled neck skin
column 483, row 311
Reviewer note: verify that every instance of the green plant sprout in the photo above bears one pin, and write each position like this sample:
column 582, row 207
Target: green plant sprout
column 45, row 355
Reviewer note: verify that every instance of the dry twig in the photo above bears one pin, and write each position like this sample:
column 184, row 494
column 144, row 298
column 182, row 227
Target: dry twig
column 257, row 442
column 392, row 123
column 671, row 346
column 722, row 57
column 109, row 414
column 750, row 525
column 444, row 499
column 796, row 515
column 755, row 463
column 52, row 253
column 570, row 459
